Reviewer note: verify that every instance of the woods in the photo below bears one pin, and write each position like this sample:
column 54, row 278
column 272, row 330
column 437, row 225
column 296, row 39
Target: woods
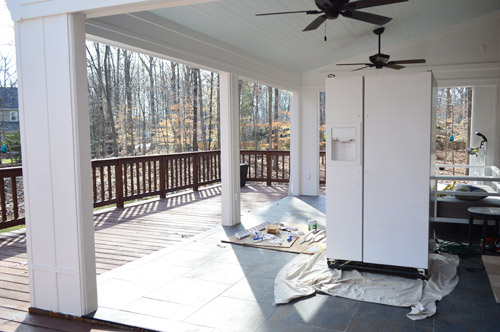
column 453, row 123
column 143, row 105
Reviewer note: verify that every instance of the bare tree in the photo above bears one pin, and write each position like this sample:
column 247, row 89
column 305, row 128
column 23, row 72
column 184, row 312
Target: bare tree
column 7, row 71
column 210, row 116
column 109, row 107
column 195, row 109
column 270, row 117
column 141, row 104
column 202, row 112
column 276, row 117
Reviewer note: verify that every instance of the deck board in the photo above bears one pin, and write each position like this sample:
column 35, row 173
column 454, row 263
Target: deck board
column 121, row 236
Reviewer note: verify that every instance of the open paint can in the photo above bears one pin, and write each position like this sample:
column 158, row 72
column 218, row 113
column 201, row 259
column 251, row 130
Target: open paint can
column 312, row 224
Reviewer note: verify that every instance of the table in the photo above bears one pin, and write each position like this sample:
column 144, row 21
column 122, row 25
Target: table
column 492, row 213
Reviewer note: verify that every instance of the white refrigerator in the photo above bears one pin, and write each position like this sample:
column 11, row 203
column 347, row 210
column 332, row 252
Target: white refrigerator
column 380, row 156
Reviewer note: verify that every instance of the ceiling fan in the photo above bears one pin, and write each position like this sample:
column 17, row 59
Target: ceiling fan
column 381, row 60
column 331, row 9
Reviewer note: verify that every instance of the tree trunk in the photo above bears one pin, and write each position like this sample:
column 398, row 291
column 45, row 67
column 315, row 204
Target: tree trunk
column 210, row 116
column 270, row 117
column 129, row 136
column 99, row 118
column 152, row 103
column 109, row 107
column 117, row 105
column 195, row 109
column 469, row 117
column 218, row 112
column 202, row 112
column 447, row 136
column 276, row 118
column 256, row 90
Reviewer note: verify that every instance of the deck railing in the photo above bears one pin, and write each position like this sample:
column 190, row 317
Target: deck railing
column 267, row 166
column 322, row 168
column 118, row 180
column 11, row 197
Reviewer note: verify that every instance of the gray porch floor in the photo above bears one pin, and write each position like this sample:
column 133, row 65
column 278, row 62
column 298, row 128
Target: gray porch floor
column 202, row 284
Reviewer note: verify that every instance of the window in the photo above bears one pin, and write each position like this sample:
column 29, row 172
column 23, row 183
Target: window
column 13, row 116
column 453, row 125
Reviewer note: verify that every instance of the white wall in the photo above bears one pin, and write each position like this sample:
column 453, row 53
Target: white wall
column 485, row 119
column 469, row 52
column 464, row 55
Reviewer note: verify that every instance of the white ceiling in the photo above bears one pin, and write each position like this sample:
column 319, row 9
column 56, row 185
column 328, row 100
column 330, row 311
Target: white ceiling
column 279, row 39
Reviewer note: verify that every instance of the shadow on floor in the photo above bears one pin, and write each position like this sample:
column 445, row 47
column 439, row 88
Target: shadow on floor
column 205, row 285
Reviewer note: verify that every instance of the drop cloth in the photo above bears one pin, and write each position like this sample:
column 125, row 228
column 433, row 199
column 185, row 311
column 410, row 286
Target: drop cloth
column 306, row 275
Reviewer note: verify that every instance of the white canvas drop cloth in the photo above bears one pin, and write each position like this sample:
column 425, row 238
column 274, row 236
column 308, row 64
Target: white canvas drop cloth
column 305, row 275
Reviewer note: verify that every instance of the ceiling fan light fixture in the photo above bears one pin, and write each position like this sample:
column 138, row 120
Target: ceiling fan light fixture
column 332, row 9
column 381, row 60
column 347, row 13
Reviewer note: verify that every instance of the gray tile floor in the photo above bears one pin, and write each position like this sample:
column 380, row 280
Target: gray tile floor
column 205, row 285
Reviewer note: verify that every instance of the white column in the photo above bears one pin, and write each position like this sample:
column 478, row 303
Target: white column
column 55, row 137
column 230, row 148
column 309, row 140
column 294, row 187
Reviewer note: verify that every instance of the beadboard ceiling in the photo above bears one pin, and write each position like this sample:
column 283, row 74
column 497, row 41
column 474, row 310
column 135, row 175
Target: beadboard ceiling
column 279, row 39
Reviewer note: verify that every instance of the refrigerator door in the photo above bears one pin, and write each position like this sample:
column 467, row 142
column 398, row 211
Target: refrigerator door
column 397, row 156
column 344, row 185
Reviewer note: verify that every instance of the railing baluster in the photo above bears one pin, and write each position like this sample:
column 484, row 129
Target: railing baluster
column 169, row 174
column 125, row 178
column 210, row 162
column 206, row 168
column 280, row 167
column 143, row 174
column 132, row 191
column 94, row 184
column 148, row 166
column 177, row 175
column 101, row 178
column 2, row 200
column 269, row 168
column 163, row 170
column 255, row 166
column 110, row 184
column 154, row 175
column 137, row 178
column 13, row 187
column 185, row 181
column 119, row 184
column 195, row 172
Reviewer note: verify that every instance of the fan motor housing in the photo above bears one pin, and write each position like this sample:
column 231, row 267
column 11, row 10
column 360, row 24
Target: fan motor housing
column 379, row 58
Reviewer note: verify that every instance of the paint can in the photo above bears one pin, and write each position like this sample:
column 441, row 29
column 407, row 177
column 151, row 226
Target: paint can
column 312, row 225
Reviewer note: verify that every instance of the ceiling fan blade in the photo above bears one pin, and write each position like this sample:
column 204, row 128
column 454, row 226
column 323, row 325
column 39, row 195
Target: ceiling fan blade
column 316, row 23
column 366, row 17
column 361, row 68
column 353, row 64
column 372, row 3
column 403, row 62
column 394, row 66
column 295, row 12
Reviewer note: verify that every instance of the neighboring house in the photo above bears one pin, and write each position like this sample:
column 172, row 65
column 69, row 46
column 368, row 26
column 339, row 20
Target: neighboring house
column 9, row 110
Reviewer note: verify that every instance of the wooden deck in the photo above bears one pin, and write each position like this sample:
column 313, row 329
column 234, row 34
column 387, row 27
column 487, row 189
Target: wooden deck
column 121, row 236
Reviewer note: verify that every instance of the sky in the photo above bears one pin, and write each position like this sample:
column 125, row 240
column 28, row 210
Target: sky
column 7, row 39
column 6, row 28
